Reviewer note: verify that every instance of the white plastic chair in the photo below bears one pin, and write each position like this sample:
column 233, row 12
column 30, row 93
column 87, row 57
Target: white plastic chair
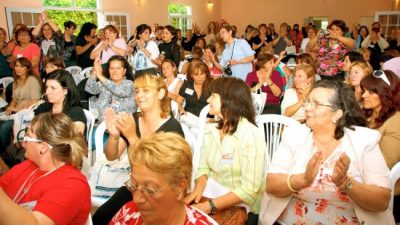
column 175, row 109
column 394, row 177
column 93, row 106
column 191, row 140
column 202, row 124
column 99, row 134
column 89, row 131
column 75, row 71
column 272, row 126
column 5, row 81
column 83, row 74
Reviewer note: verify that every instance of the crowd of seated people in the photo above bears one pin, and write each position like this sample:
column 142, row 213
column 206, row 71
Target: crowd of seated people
column 330, row 169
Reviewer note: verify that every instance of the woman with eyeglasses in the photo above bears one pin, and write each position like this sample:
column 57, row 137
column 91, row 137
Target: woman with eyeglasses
column 48, row 187
column 125, row 130
column 331, row 170
column 161, row 173
column 293, row 99
column 113, row 85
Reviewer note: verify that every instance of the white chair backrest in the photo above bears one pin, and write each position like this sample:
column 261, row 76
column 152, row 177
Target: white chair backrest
column 202, row 124
column 98, row 139
column 93, row 106
column 5, row 81
column 84, row 74
column 175, row 109
column 75, row 71
column 181, row 77
column 394, row 177
column 89, row 131
column 272, row 126
column 191, row 140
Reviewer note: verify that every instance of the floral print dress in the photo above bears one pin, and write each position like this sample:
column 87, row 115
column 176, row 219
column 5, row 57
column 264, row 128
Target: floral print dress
column 330, row 57
column 322, row 202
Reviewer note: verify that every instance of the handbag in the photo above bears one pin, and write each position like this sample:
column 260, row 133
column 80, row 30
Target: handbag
column 259, row 98
column 106, row 177
column 235, row 215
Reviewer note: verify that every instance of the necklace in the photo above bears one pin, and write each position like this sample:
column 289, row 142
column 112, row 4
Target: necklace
column 24, row 189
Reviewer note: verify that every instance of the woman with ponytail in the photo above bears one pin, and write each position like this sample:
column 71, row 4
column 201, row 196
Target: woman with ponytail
column 332, row 170
column 48, row 187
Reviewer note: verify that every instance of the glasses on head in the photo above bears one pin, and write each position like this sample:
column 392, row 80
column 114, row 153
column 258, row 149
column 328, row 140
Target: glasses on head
column 144, row 189
column 307, row 104
column 381, row 74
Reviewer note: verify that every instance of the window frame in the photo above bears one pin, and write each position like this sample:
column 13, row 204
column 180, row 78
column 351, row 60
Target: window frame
column 181, row 17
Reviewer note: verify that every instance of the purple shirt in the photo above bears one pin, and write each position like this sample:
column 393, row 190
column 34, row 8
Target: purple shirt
column 252, row 80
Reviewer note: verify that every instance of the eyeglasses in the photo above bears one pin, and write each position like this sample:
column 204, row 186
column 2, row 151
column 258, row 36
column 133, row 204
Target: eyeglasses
column 144, row 189
column 32, row 139
column 381, row 74
column 307, row 104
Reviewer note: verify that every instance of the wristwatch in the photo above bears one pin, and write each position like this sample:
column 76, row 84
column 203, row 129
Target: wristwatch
column 349, row 185
column 213, row 208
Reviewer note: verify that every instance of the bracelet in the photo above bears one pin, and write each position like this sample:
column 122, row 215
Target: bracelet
column 289, row 185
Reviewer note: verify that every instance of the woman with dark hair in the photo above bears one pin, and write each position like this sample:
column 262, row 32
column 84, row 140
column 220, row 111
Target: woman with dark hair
column 381, row 104
column 48, row 187
column 211, row 60
column 331, row 170
column 112, row 45
column 85, row 43
column 261, row 39
column 25, row 48
column 114, row 87
column 69, row 55
column 195, row 90
column 233, row 151
column 25, row 92
column 376, row 44
column 146, row 51
column 13, row 41
column 63, row 97
column 362, row 33
column 4, row 67
column 237, row 55
column 268, row 80
column 49, row 38
column 51, row 64
column 333, row 47
column 151, row 95
column 169, row 49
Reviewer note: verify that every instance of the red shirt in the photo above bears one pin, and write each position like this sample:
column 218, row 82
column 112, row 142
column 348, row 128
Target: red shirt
column 28, row 52
column 63, row 195
column 252, row 80
column 129, row 215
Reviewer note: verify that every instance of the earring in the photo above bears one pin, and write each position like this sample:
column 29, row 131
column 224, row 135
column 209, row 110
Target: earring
column 333, row 121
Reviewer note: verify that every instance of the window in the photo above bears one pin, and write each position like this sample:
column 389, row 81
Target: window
column 27, row 16
column 389, row 20
column 120, row 21
column 180, row 16
column 74, row 4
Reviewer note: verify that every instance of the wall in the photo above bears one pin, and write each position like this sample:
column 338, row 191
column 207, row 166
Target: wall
column 244, row 12
column 140, row 11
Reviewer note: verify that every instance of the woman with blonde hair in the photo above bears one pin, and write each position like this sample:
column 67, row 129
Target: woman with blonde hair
column 293, row 99
column 125, row 130
column 48, row 187
column 358, row 71
column 161, row 173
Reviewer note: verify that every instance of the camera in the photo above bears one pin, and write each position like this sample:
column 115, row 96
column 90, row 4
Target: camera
column 228, row 71
column 325, row 32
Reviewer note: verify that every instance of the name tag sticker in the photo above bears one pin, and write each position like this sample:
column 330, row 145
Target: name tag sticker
column 227, row 159
column 189, row 91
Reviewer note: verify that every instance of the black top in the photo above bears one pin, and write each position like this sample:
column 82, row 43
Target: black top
column 171, row 51
column 171, row 125
column 194, row 104
column 188, row 44
column 83, row 59
column 75, row 113
column 257, row 40
column 376, row 53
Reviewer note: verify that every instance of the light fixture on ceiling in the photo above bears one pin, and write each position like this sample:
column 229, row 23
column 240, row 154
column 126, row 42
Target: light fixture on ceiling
column 210, row 3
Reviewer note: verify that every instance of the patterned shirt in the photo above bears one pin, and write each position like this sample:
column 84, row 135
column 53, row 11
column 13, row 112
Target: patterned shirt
column 330, row 58
column 236, row 162
column 119, row 97
column 52, row 48
column 129, row 214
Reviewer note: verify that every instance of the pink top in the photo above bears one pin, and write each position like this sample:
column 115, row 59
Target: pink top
column 330, row 58
column 108, row 52
column 129, row 214
column 30, row 51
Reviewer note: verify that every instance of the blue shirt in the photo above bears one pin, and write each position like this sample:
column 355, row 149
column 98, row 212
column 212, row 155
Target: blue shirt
column 238, row 50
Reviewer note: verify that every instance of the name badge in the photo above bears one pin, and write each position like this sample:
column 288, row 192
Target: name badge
column 189, row 91
column 227, row 159
column 371, row 46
